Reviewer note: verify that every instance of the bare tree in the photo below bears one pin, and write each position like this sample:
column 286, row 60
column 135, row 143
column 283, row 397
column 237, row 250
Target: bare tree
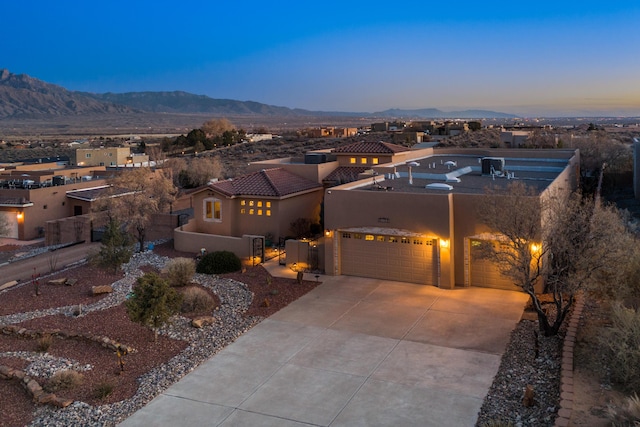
column 563, row 241
column 194, row 172
column 598, row 149
column 216, row 127
column 137, row 195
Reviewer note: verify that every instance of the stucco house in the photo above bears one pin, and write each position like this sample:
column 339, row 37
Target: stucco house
column 415, row 220
column 236, row 214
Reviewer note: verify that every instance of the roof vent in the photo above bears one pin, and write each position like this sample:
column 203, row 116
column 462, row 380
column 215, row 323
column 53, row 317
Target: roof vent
column 439, row 186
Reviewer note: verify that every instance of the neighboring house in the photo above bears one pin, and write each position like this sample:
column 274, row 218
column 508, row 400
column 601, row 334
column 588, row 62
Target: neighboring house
column 231, row 214
column 31, row 195
column 515, row 138
column 109, row 156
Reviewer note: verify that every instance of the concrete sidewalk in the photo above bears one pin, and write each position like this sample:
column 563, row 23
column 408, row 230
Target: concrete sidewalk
column 352, row 352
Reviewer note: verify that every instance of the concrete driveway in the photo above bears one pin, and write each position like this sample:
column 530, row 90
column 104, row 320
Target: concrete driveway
column 353, row 352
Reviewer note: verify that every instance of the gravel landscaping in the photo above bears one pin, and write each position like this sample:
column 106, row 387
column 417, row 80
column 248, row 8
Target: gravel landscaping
column 150, row 368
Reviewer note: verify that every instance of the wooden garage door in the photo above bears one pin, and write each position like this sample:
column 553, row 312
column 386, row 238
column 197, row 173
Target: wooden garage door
column 403, row 259
column 9, row 220
column 484, row 272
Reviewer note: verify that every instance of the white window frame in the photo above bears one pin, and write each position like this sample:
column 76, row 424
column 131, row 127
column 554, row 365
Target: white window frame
column 212, row 218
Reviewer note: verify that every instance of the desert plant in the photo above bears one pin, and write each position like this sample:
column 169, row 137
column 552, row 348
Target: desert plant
column 64, row 380
column 153, row 302
column 53, row 260
column 196, row 299
column 628, row 415
column 180, row 271
column 622, row 342
column 44, row 343
column 103, row 389
column 219, row 262
column 115, row 249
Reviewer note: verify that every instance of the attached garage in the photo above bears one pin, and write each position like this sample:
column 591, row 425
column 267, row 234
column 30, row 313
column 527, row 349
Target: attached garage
column 483, row 272
column 389, row 254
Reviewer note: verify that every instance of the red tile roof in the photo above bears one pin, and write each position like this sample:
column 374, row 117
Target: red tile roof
column 265, row 183
column 344, row 174
column 371, row 148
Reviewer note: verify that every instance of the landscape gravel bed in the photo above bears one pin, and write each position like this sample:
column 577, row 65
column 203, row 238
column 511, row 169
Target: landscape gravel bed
column 236, row 314
column 530, row 359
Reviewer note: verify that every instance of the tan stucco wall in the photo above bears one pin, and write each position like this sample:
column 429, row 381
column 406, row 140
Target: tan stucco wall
column 189, row 241
column 283, row 212
column 106, row 156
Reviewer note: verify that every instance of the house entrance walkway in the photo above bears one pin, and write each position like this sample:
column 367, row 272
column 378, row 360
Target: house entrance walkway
column 352, row 352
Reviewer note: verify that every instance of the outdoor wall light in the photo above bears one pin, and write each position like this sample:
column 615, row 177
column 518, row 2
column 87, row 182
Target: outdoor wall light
column 327, row 233
column 19, row 215
column 444, row 243
column 535, row 247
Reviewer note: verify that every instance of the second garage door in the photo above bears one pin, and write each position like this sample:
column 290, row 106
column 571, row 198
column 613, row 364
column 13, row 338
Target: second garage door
column 390, row 257
column 484, row 272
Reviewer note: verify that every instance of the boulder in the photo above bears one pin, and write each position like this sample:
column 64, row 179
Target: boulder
column 61, row 402
column 202, row 321
column 61, row 281
column 71, row 282
column 99, row 290
column 8, row 285
column 528, row 400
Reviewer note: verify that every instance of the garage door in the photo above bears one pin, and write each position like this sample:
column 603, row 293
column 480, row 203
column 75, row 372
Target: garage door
column 389, row 257
column 484, row 272
column 9, row 224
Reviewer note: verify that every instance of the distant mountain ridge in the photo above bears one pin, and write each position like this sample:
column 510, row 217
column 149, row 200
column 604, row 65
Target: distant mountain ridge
column 22, row 96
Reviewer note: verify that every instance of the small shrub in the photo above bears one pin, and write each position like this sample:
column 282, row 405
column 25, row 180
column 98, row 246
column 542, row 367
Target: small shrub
column 64, row 380
column 274, row 292
column 44, row 343
column 219, row 262
column 103, row 389
column 196, row 300
column 180, row 271
column 622, row 341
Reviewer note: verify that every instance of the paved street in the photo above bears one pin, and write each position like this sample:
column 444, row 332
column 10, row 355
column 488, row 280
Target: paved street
column 23, row 269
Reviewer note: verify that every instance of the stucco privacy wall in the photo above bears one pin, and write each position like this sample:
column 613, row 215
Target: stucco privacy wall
column 186, row 240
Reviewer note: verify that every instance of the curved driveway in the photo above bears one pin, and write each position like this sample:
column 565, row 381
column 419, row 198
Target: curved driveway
column 352, row 352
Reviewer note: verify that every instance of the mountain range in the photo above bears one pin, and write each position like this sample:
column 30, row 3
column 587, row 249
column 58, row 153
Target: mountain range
column 22, row 96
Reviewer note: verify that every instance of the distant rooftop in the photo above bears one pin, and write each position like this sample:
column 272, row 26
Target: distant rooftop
column 464, row 174
column 371, row 148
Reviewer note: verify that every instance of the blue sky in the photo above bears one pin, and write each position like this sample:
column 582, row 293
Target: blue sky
column 543, row 58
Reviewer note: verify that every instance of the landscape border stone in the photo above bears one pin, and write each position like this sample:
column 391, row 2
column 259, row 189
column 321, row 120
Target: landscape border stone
column 566, row 373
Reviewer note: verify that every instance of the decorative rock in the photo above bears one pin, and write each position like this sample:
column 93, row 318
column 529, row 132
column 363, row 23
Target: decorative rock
column 71, row 282
column 8, row 285
column 202, row 321
column 98, row 290
column 61, row 281
column 528, row 400
column 62, row 402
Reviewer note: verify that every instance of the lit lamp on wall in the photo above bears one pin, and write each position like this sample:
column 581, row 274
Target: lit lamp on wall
column 444, row 243
column 19, row 215
column 327, row 233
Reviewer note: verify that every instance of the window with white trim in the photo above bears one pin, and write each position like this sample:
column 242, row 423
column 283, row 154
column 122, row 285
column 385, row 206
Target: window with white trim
column 212, row 210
